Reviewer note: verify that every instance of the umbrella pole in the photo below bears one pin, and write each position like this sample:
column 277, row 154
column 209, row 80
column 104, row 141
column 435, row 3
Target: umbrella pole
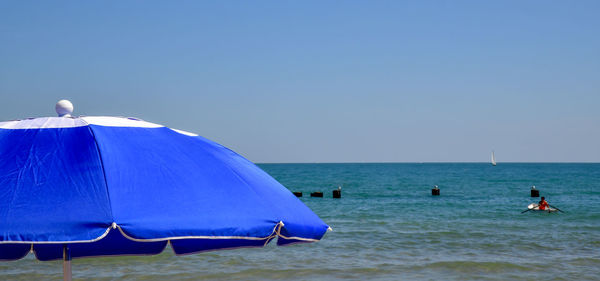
column 66, row 263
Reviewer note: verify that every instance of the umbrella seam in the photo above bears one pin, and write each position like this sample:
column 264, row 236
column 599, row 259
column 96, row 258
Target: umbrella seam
column 242, row 179
column 103, row 169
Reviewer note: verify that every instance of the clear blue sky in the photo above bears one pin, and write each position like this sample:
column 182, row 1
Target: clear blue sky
column 321, row 81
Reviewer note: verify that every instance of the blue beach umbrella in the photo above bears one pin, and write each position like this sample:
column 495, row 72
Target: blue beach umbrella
column 102, row 186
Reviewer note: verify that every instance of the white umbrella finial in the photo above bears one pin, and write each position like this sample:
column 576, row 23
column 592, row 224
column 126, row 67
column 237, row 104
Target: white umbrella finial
column 64, row 108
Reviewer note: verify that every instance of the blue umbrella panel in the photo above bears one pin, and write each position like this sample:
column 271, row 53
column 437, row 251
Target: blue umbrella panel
column 121, row 186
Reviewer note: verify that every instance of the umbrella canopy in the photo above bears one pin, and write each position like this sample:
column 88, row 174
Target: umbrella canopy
column 123, row 186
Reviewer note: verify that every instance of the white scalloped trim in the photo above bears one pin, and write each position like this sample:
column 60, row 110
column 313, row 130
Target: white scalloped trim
column 71, row 122
column 43, row 123
column 185, row 132
column 109, row 121
column 276, row 232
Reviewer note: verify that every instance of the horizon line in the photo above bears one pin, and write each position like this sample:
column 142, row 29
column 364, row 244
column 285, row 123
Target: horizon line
column 433, row 162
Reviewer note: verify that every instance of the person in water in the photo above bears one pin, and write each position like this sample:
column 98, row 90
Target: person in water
column 543, row 204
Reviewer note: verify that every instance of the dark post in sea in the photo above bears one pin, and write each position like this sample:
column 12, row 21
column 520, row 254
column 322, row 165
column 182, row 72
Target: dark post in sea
column 316, row 194
column 298, row 194
column 337, row 193
column 534, row 192
column 435, row 191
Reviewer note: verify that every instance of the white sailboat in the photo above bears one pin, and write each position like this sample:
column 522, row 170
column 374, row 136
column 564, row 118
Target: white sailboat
column 493, row 159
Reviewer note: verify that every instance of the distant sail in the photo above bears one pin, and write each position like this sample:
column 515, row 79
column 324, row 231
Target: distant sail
column 493, row 159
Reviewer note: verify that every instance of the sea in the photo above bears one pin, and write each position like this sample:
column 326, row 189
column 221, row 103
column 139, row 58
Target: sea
column 388, row 226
